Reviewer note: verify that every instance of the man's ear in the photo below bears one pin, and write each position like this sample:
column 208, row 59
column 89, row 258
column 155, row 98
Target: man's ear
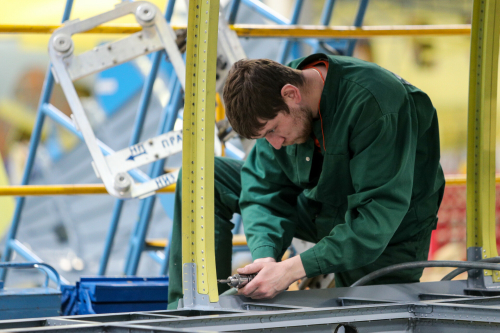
column 291, row 93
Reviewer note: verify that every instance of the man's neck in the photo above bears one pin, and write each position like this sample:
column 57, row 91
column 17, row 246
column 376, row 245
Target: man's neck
column 314, row 87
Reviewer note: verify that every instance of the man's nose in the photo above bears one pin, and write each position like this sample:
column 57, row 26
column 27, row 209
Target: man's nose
column 275, row 140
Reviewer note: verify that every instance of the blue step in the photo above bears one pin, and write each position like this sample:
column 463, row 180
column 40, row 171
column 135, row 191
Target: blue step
column 29, row 303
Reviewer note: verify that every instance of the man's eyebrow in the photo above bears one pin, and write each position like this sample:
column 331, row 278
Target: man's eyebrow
column 267, row 132
column 263, row 136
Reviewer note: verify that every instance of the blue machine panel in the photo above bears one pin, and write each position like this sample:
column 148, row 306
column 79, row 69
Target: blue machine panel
column 94, row 295
column 29, row 303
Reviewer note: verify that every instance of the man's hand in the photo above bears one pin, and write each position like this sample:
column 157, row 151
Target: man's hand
column 273, row 277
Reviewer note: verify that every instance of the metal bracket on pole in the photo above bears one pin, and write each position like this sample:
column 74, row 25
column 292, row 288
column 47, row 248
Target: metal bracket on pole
column 192, row 299
column 67, row 67
column 476, row 278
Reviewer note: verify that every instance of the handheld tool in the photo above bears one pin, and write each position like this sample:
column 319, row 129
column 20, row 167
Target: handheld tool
column 237, row 280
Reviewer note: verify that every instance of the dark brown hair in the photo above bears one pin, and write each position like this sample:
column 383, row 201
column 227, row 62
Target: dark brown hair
column 253, row 91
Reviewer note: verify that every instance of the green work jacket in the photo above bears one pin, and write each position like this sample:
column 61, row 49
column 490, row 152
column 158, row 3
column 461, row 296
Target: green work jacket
column 377, row 178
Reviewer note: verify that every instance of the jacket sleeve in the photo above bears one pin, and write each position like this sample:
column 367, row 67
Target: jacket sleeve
column 268, row 200
column 382, row 158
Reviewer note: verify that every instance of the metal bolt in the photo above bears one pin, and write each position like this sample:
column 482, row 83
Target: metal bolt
column 62, row 43
column 122, row 182
column 145, row 13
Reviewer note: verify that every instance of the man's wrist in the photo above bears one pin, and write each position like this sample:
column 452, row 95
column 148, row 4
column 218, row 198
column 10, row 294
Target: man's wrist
column 267, row 259
column 263, row 251
column 295, row 268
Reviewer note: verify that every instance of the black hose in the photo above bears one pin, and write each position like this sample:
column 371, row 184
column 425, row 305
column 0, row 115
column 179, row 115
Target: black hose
column 424, row 264
column 459, row 271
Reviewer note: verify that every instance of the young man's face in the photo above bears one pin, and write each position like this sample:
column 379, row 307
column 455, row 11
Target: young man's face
column 288, row 129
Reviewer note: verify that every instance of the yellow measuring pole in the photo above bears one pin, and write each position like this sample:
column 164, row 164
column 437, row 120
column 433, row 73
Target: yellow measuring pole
column 198, row 147
column 481, row 130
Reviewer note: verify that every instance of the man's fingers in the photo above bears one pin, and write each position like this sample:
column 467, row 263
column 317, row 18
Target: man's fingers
column 261, row 294
column 248, row 290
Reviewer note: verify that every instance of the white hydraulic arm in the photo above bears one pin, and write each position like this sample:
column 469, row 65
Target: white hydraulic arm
column 67, row 67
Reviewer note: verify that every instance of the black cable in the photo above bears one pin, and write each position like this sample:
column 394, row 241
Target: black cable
column 459, row 271
column 424, row 264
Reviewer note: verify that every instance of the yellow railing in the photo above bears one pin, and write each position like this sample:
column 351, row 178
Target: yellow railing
column 36, row 190
column 283, row 31
column 312, row 31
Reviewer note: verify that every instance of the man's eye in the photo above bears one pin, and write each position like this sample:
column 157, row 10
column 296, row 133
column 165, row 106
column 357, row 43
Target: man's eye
column 272, row 131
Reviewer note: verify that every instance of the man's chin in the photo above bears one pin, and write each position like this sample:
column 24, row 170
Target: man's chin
column 300, row 141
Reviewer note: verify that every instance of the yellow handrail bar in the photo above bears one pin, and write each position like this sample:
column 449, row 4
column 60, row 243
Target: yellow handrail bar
column 32, row 190
column 283, row 31
column 315, row 31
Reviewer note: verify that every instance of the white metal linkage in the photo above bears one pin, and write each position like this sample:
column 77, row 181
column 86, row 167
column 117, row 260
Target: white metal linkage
column 156, row 35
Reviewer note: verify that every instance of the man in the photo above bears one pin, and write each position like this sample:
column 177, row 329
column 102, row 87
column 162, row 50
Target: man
column 347, row 157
